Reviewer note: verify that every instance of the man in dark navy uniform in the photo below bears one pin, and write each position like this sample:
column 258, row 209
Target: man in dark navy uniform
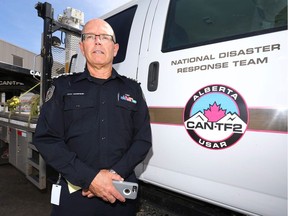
column 94, row 128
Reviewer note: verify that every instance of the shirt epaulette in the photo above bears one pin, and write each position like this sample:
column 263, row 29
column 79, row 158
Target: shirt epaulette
column 65, row 74
column 130, row 79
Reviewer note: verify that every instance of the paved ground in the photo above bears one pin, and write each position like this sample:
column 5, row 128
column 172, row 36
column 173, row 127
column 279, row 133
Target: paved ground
column 19, row 197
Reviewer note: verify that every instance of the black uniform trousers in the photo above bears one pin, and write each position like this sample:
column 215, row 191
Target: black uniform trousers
column 75, row 204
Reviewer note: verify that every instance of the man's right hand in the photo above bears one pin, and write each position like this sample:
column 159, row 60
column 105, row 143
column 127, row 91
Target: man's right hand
column 102, row 187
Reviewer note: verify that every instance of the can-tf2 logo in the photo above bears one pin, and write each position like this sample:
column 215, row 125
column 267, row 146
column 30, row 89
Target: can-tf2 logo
column 216, row 117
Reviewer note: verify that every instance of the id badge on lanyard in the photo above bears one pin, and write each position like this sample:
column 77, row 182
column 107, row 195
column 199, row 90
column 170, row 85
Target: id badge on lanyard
column 56, row 191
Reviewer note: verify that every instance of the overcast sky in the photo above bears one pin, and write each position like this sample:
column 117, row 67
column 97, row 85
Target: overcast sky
column 21, row 26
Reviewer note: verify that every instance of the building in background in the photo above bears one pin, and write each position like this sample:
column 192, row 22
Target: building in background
column 17, row 56
column 20, row 71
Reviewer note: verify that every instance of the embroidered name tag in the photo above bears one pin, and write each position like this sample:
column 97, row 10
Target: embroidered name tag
column 128, row 98
column 75, row 93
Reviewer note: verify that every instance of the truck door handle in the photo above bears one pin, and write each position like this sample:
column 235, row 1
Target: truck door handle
column 153, row 75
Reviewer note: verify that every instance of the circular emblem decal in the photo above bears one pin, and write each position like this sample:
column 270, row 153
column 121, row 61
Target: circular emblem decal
column 216, row 117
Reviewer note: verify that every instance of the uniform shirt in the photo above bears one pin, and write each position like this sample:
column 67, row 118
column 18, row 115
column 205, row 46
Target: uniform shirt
column 87, row 124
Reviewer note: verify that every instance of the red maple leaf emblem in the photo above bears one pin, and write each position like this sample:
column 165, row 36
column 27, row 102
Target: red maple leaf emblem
column 214, row 113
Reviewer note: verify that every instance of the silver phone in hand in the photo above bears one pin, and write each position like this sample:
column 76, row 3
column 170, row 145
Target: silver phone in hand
column 128, row 189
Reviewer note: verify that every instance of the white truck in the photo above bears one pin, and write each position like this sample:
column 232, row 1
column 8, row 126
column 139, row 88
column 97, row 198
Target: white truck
column 214, row 74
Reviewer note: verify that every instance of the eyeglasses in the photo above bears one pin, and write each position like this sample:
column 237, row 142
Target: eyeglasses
column 90, row 37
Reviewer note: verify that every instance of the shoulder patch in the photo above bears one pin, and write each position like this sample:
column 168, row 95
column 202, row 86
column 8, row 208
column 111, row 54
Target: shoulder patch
column 50, row 93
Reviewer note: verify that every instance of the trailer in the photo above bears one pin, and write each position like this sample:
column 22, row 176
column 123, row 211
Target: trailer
column 23, row 91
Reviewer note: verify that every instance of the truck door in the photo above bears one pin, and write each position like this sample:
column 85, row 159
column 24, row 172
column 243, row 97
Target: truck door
column 128, row 22
column 205, row 67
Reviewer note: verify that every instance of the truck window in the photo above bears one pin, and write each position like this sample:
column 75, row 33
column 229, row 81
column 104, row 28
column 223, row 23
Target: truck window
column 121, row 23
column 199, row 22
